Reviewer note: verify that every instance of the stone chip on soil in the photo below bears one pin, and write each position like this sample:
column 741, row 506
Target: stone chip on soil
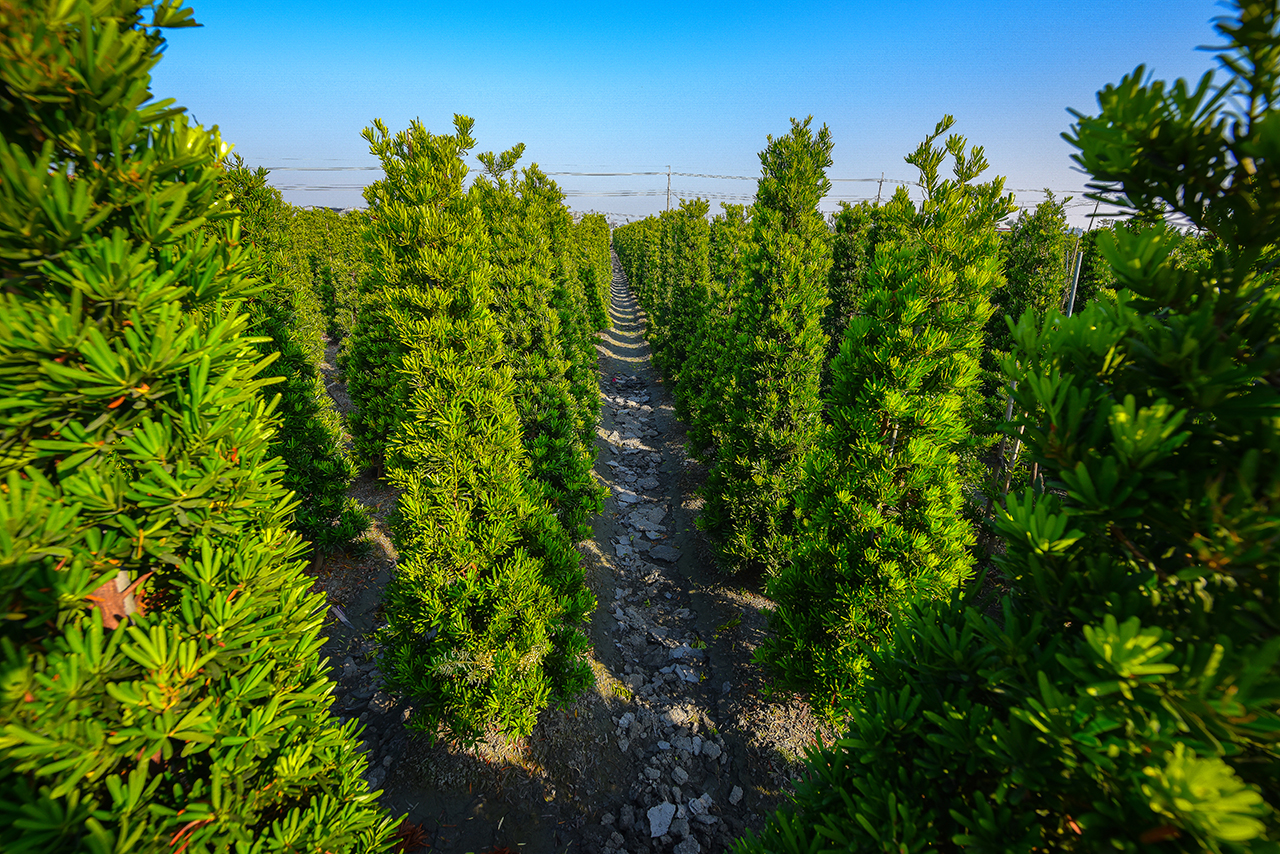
column 660, row 819
column 665, row 553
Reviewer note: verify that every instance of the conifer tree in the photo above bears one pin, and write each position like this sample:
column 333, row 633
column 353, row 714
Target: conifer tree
column 702, row 387
column 330, row 244
column 162, row 681
column 880, row 501
column 596, row 267
column 523, row 269
column 289, row 315
column 484, row 609
column 1125, row 699
column 569, row 298
column 855, row 232
column 772, row 410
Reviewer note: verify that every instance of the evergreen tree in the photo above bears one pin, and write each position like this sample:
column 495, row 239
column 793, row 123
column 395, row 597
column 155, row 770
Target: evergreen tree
column 162, row 681
column 288, row 314
column 523, row 267
column 772, row 407
column 330, row 245
column 596, row 267
column 880, row 501
column 484, row 608
column 855, row 232
column 1126, row 697
column 703, row 385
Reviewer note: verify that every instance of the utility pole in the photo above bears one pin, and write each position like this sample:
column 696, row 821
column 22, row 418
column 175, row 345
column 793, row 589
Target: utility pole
column 668, row 188
column 1075, row 280
column 878, row 188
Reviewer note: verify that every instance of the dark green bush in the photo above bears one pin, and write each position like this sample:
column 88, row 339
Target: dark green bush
column 160, row 679
column 1127, row 695
column 330, row 245
column 595, row 267
column 880, row 501
column 523, row 269
column 702, row 388
column 772, row 409
column 484, row 609
column 288, row 314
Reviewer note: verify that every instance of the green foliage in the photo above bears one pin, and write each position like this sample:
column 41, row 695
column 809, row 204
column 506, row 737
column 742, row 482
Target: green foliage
column 523, row 267
column 772, row 409
column 330, row 245
column 880, row 502
column 702, row 389
column 160, row 679
column 1128, row 697
column 483, row 611
column 288, row 315
column 595, row 267
column 855, row 233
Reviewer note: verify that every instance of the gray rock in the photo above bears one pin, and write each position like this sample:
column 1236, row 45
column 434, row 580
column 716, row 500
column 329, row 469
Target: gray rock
column 652, row 774
column 664, row 745
column 607, row 819
column 687, row 673
column 381, row 704
column 735, row 795
column 647, row 518
column 688, row 846
column 680, row 827
column 660, row 819
column 628, row 498
column 653, row 535
column 682, row 742
column 627, row 817
column 686, row 652
column 364, row 692
column 665, row 553
column 695, row 745
column 647, row 483
column 623, row 551
column 680, row 775
column 375, row 777
column 623, row 744
column 711, row 750
column 626, row 720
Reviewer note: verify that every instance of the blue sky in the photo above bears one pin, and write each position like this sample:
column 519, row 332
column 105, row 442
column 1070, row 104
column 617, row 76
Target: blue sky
column 621, row 87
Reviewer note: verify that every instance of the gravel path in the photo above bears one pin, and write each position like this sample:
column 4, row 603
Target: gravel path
column 679, row 747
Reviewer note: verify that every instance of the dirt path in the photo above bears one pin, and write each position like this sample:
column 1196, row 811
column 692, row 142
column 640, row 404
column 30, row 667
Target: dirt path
column 677, row 748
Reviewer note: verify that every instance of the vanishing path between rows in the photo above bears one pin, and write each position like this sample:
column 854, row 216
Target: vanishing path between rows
column 678, row 748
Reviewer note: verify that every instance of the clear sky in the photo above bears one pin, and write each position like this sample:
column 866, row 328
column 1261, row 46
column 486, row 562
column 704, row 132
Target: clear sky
column 640, row 87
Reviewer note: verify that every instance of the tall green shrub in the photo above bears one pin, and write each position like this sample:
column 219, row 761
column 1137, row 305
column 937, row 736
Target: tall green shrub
column 568, row 297
column 880, row 501
column 1128, row 697
column 484, row 609
column 773, row 413
column 330, row 245
column 289, row 316
column 703, row 385
column 160, row 684
column 855, row 232
column 596, row 267
column 523, row 269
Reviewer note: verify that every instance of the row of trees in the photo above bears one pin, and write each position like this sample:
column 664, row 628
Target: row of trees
column 472, row 366
column 1124, row 692
column 170, row 455
column 162, row 685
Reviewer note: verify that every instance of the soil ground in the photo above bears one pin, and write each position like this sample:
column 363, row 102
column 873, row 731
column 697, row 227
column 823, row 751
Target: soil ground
column 680, row 720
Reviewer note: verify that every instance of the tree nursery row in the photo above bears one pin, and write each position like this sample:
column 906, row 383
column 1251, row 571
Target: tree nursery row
column 1012, row 492
column 1087, row 661
column 170, row 455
